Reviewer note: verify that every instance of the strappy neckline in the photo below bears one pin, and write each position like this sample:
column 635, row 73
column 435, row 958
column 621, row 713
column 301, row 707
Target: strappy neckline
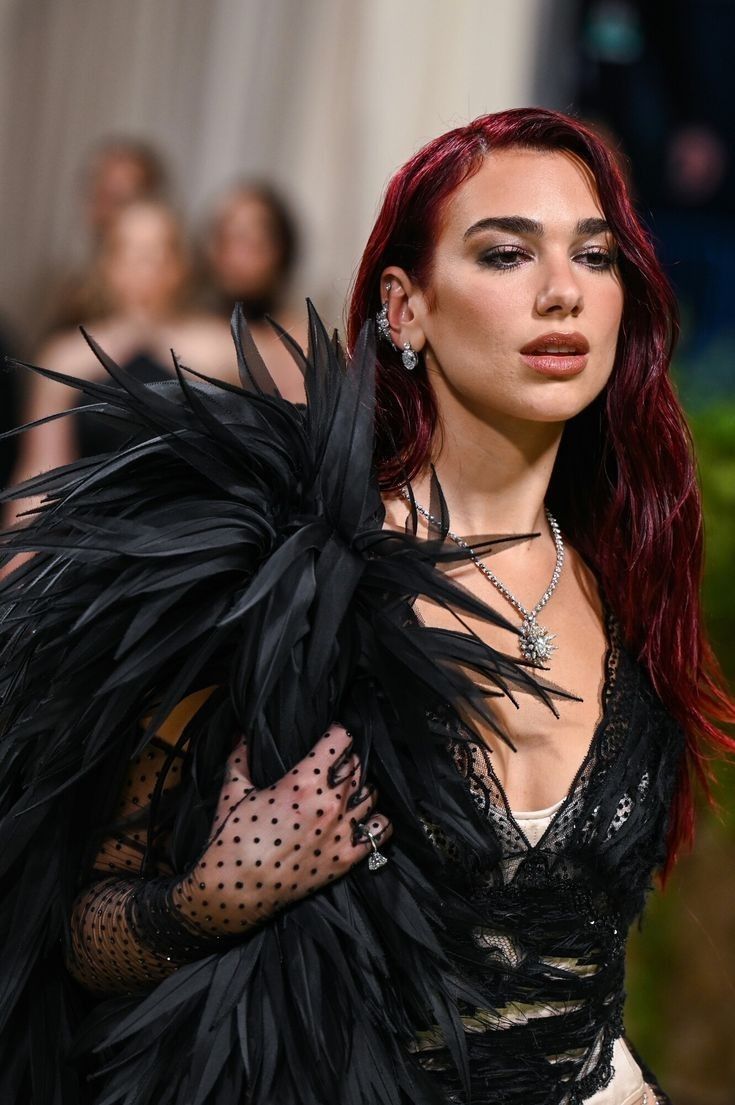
column 610, row 667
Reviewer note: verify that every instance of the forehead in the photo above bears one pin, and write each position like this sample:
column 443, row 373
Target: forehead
column 554, row 187
column 245, row 210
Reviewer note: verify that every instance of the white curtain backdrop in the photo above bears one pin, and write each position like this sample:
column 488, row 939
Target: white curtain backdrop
column 324, row 97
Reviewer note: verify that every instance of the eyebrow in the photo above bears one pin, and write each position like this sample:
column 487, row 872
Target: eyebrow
column 518, row 224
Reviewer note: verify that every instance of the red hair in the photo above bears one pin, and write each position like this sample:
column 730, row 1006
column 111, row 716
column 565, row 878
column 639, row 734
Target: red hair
column 624, row 484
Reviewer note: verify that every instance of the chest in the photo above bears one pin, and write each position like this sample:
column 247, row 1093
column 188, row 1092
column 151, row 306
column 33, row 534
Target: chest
column 549, row 749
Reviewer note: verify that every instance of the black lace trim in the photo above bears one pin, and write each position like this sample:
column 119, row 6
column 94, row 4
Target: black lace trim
column 555, row 914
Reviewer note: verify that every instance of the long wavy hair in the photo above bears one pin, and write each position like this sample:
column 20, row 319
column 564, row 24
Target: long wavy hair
column 624, row 484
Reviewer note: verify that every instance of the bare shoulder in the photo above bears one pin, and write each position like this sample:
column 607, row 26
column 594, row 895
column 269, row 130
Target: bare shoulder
column 204, row 343
column 69, row 353
column 295, row 324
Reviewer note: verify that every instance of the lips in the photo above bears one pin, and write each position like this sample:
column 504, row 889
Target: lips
column 557, row 355
column 557, row 343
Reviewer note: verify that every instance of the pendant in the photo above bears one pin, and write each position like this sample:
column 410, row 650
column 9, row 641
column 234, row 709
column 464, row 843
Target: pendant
column 535, row 642
column 376, row 861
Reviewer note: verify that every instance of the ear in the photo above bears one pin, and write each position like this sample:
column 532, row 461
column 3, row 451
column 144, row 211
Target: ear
column 406, row 307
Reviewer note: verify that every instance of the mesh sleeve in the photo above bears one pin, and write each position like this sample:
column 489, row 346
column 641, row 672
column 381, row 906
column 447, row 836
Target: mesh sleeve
column 112, row 948
column 267, row 849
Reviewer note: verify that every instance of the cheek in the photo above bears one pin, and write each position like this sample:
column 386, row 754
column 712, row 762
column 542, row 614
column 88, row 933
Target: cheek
column 471, row 312
column 611, row 312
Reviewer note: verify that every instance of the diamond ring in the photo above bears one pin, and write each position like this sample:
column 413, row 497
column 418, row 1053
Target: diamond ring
column 377, row 859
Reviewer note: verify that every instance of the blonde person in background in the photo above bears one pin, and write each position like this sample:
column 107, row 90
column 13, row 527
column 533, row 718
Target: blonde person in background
column 143, row 282
column 116, row 171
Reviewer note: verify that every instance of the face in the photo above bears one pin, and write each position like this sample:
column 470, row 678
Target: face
column 143, row 260
column 523, row 253
column 116, row 179
column 243, row 252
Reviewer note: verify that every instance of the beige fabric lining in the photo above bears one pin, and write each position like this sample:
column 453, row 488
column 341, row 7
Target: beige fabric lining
column 627, row 1084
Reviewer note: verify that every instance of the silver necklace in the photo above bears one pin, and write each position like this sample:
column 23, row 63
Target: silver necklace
column 535, row 641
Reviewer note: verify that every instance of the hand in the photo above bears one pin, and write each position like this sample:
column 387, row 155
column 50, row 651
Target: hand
column 275, row 846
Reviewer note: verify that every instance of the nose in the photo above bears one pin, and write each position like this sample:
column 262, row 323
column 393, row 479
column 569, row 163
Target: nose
column 559, row 292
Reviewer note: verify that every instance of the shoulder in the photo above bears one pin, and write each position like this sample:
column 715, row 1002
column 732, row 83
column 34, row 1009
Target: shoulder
column 296, row 325
column 204, row 343
column 69, row 353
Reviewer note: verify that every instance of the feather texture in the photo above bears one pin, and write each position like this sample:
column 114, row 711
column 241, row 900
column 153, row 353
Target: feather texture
column 236, row 539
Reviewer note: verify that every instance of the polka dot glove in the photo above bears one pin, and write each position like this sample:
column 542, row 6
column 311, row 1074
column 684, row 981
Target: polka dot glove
column 267, row 848
column 275, row 846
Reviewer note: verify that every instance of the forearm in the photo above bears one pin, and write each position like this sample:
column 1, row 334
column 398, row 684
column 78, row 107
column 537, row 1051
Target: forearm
column 127, row 936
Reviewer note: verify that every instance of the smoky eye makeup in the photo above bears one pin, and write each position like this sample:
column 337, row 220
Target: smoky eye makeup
column 502, row 256
column 599, row 257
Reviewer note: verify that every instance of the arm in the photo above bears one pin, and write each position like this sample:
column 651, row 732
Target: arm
column 109, row 949
column 267, row 849
column 53, row 444
column 50, row 445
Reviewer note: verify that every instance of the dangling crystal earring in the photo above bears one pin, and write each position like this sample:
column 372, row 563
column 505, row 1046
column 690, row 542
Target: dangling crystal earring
column 409, row 356
column 381, row 320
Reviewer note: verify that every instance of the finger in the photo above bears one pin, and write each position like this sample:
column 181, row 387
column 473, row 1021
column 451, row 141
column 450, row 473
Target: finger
column 335, row 743
column 378, row 825
column 362, row 800
column 238, row 767
column 345, row 768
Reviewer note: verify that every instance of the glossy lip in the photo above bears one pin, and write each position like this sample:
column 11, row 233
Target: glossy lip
column 557, row 366
column 573, row 339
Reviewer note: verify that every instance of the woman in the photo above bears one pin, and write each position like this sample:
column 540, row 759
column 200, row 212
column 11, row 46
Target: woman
column 250, row 250
column 142, row 278
column 116, row 171
column 229, row 941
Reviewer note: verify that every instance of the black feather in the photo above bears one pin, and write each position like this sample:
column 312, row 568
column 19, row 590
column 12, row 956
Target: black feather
column 237, row 538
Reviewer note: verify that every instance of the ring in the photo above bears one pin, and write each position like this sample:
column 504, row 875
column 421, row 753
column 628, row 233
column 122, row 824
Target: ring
column 377, row 859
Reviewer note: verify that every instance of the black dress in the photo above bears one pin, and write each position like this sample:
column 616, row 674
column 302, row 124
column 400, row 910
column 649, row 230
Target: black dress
column 572, row 896
column 238, row 540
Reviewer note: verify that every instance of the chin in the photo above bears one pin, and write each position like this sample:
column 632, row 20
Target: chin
column 560, row 403
column 552, row 412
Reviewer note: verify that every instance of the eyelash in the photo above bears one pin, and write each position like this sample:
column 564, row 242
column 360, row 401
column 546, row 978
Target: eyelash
column 491, row 258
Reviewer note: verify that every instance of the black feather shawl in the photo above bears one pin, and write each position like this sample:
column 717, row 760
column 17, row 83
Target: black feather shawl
column 236, row 539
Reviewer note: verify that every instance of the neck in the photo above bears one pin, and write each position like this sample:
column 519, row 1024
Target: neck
column 494, row 476
column 254, row 307
column 147, row 314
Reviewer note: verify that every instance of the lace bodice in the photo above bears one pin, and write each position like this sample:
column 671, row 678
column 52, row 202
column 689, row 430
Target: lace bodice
column 553, row 914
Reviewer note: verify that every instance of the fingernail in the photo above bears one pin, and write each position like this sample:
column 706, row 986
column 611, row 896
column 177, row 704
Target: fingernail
column 345, row 775
column 360, row 796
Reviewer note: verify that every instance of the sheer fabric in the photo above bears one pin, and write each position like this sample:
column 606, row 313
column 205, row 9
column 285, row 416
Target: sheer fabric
column 557, row 906
column 134, row 924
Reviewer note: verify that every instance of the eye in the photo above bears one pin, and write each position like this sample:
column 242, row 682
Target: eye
column 597, row 257
column 503, row 257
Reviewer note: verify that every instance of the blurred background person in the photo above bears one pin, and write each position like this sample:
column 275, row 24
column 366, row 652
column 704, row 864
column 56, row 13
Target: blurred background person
column 249, row 251
column 117, row 170
column 9, row 407
column 142, row 276
column 655, row 73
